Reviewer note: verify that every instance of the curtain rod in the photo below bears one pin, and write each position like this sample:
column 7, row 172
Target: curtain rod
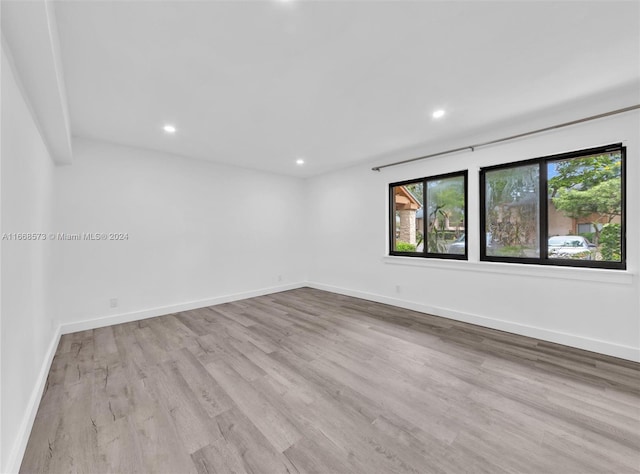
column 512, row 137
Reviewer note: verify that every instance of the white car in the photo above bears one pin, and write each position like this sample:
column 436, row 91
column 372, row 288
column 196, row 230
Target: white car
column 458, row 246
column 574, row 247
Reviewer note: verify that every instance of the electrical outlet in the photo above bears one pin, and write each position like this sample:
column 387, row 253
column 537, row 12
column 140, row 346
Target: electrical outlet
column 113, row 302
column 279, row 277
column 397, row 288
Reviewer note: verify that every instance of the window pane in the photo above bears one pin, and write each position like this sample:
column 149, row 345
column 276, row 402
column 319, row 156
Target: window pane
column 445, row 216
column 512, row 212
column 407, row 202
column 585, row 229
column 585, row 208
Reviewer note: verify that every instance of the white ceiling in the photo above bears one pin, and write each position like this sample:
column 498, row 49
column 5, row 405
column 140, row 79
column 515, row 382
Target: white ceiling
column 259, row 84
column 30, row 28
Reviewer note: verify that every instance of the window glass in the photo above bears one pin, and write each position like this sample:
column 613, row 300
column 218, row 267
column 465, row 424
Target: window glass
column 446, row 216
column 586, row 230
column 407, row 224
column 512, row 212
column 585, row 205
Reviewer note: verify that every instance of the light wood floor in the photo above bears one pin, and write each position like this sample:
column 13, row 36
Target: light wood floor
column 309, row 381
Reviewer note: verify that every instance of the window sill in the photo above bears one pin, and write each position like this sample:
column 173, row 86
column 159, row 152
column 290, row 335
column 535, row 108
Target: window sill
column 622, row 277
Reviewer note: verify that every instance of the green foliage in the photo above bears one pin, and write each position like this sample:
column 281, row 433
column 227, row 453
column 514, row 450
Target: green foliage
column 511, row 251
column 589, row 236
column 603, row 198
column 405, row 247
column 611, row 243
column 512, row 185
column 588, row 187
column 448, row 199
column 445, row 198
column 585, row 173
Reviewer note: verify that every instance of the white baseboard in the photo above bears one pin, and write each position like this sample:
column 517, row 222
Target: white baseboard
column 589, row 344
column 103, row 321
column 14, row 459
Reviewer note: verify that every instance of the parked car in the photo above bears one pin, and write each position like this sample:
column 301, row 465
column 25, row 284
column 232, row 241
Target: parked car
column 457, row 246
column 573, row 247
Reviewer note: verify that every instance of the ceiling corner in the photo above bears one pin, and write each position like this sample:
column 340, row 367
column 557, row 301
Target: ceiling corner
column 30, row 32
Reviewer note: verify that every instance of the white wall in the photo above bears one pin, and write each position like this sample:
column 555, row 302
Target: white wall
column 593, row 309
column 27, row 328
column 197, row 232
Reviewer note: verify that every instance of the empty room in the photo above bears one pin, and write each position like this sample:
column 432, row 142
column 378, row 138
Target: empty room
column 313, row 236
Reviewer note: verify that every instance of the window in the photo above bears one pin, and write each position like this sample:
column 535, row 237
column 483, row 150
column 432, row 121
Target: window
column 428, row 217
column 407, row 205
column 513, row 211
column 559, row 210
column 586, row 228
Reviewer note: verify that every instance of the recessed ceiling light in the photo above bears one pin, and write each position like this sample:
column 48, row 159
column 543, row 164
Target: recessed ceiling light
column 287, row 3
column 169, row 128
column 438, row 113
column 299, row 161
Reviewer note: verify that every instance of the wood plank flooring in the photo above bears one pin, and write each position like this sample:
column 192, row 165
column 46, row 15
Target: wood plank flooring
column 312, row 382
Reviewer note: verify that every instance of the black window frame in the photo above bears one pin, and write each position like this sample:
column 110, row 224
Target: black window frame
column 392, row 216
column 543, row 258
